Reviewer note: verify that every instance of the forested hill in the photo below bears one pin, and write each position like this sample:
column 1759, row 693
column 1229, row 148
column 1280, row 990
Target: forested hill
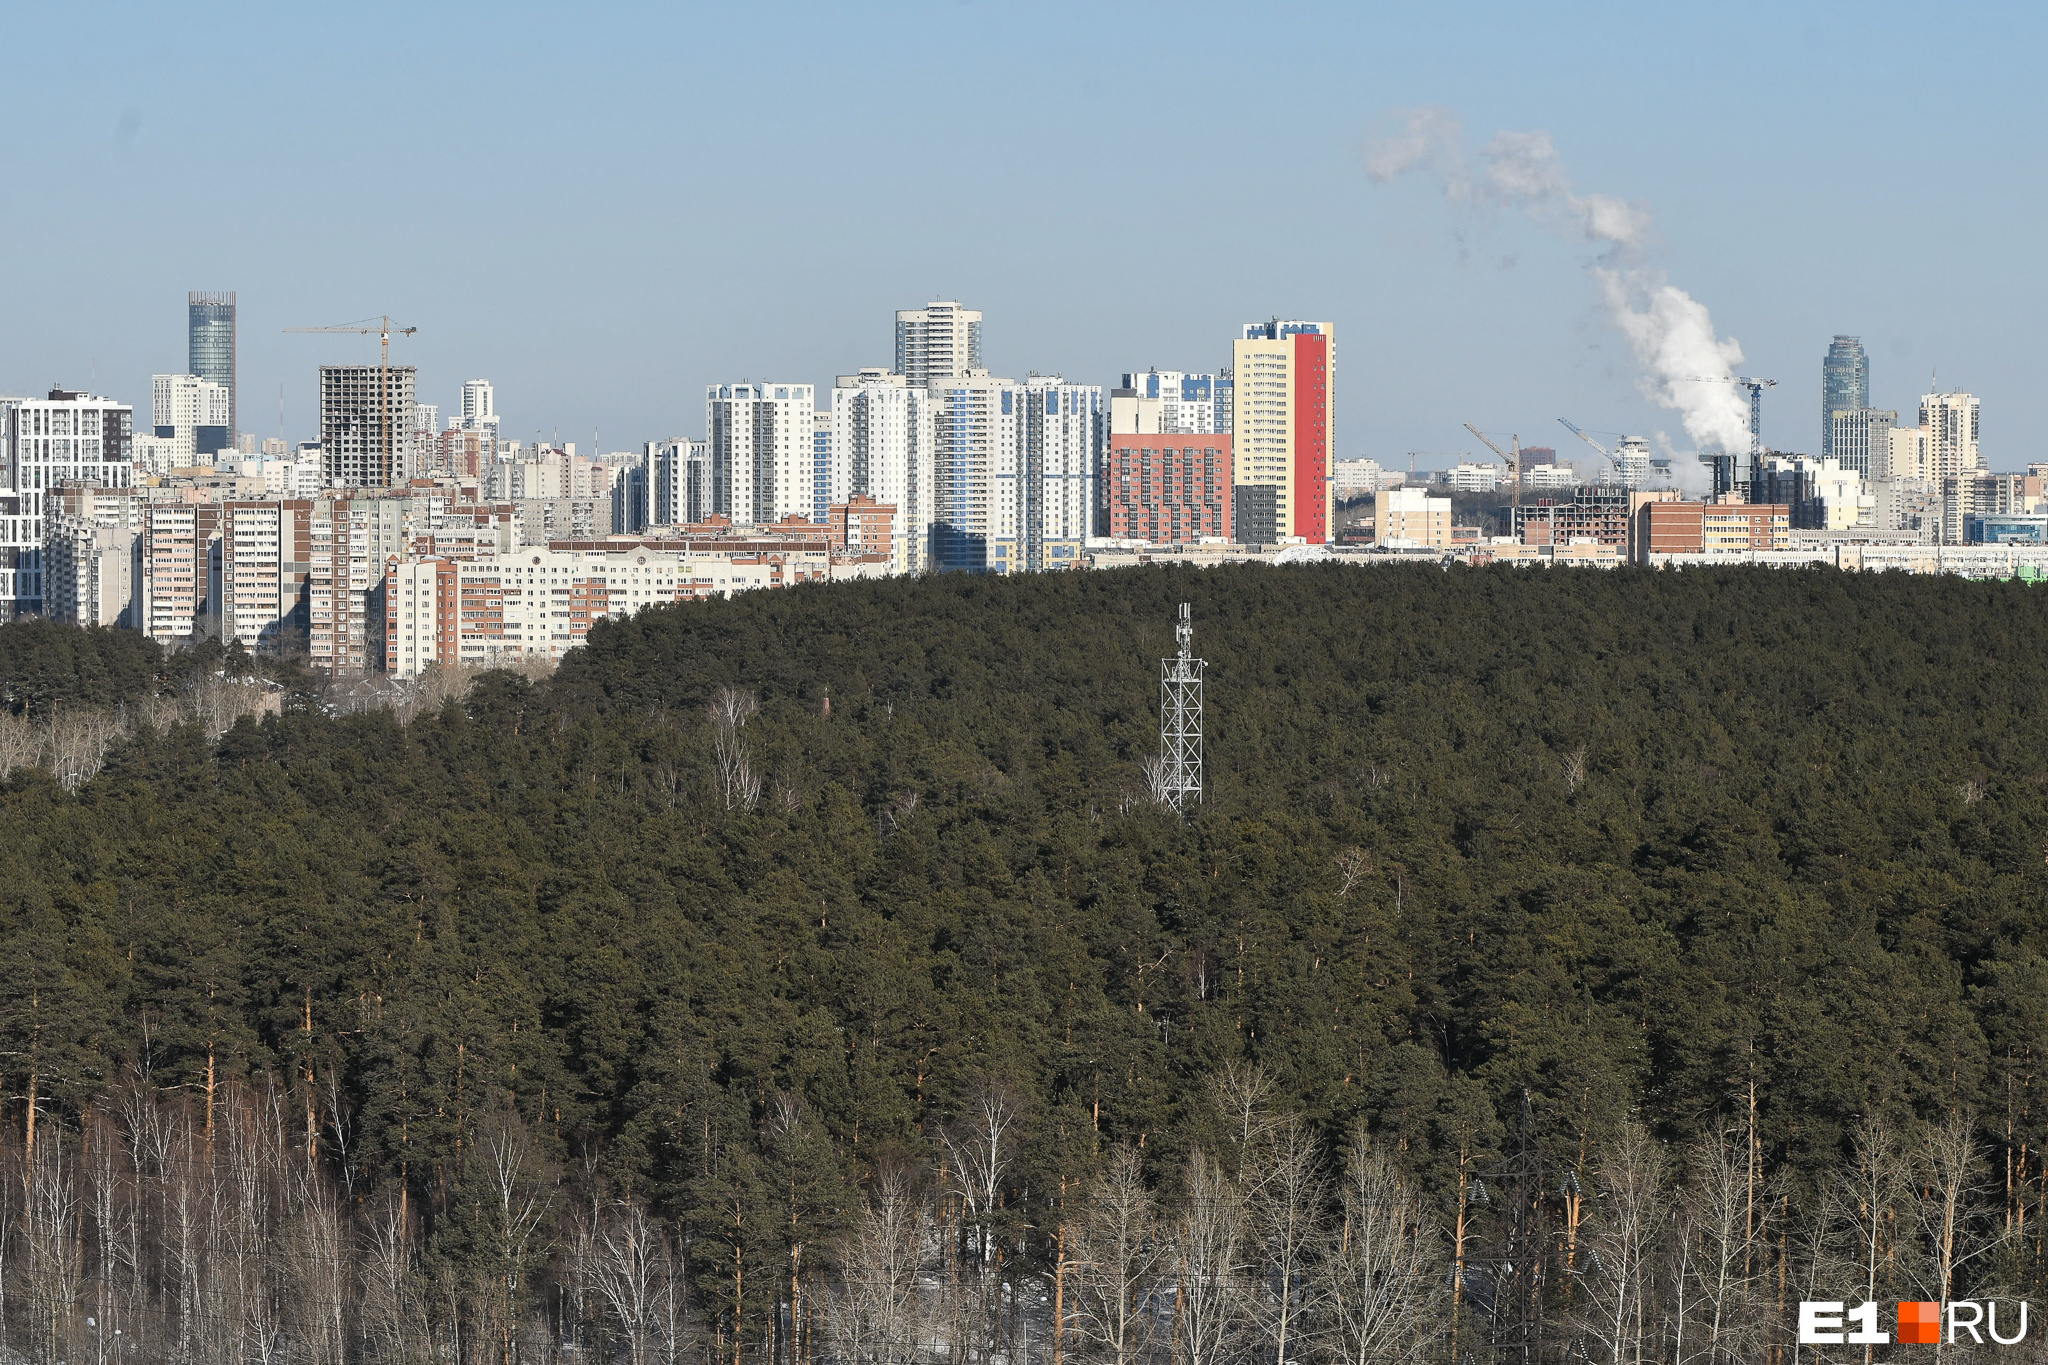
column 1725, row 851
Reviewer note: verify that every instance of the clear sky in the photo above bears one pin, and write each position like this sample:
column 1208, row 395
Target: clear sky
column 602, row 208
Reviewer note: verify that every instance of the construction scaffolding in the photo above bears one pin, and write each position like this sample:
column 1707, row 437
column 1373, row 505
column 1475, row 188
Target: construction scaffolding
column 1180, row 720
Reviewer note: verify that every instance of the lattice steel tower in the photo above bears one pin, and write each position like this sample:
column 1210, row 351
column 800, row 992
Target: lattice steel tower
column 1180, row 719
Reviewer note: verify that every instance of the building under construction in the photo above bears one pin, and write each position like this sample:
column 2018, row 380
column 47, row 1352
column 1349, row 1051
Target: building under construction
column 364, row 430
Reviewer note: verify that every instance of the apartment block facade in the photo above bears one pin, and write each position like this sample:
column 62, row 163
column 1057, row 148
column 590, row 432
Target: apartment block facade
column 1284, row 421
column 1162, row 487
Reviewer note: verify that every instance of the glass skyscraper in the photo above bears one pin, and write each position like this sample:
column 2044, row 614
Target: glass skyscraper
column 210, row 323
column 1844, row 385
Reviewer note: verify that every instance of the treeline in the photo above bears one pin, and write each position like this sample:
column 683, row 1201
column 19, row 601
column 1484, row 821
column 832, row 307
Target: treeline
column 1523, row 891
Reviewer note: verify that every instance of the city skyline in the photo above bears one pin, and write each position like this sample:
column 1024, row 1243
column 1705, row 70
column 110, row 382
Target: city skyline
column 613, row 321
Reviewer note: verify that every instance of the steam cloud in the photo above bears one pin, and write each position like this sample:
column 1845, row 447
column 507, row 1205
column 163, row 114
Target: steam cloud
column 1669, row 330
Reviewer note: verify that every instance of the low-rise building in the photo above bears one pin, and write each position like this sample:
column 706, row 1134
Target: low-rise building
column 1404, row 517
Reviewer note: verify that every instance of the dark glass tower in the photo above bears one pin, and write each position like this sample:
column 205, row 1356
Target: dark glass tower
column 210, row 323
column 1844, row 385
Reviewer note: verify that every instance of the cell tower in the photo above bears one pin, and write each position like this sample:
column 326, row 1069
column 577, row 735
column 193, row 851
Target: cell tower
column 1180, row 720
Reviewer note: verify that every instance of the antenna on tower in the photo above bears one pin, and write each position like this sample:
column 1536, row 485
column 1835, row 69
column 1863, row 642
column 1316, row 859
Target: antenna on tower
column 1180, row 720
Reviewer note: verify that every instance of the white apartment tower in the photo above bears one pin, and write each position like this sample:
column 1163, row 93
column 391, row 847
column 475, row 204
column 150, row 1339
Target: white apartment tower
column 64, row 438
column 763, row 450
column 193, row 414
column 479, row 407
column 365, row 429
column 941, row 340
column 1187, row 401
column 679, row 482
column 1013, row 472
column 882, row 439
column 1950, row 421
column 1044, row 486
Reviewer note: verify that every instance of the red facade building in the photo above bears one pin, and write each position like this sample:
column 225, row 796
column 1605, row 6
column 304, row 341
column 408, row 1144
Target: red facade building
column 1166, row 488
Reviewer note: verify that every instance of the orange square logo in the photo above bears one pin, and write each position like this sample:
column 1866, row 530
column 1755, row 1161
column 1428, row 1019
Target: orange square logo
column 1920, row 1324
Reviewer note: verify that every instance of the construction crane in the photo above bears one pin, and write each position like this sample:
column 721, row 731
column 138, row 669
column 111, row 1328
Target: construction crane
column 383, row 329
column 1514, row 462
column 1756, row 389
column 1612, row 458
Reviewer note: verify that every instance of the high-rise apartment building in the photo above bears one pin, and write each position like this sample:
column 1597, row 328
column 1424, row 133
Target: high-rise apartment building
column 882, row 437
column 256, row 581
column 1283, row 429
column 828, row 476
column 1861, row 440
column 968, row 434
column 941, row 340
column 1950, row 421
column 1186, row 400
column 763, row 449
column 1844, row 385
column 1044, row 495
column 194, row 414
column 210, row 344
column 480, row 407
column 679, row 482
column 365, row 427
column 89, row 556
column 175, row 567
column 65, row 438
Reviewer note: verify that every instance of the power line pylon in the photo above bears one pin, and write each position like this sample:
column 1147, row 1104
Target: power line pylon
column 1180, row 719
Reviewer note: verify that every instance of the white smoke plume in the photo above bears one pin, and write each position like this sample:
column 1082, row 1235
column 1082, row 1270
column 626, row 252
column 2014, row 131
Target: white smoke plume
column 1670, row 332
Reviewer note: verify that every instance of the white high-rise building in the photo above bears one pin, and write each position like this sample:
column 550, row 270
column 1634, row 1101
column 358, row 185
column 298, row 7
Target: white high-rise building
column 193, row 414
column 882, row 438
column 479, row 405
column 64, row 438
column 762, row 440
column 1014, row 471
column 679, row 482
column 828, row 471
column 1950, row 420
column 970, row 414
column 1187, row 401
column 941, row 340
column 1045, row 490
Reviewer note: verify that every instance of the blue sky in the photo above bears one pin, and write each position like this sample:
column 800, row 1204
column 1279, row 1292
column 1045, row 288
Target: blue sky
column 604, row 208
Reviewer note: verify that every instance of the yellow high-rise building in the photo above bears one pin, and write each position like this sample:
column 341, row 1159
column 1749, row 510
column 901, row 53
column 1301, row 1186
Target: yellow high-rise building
column 1284, row 429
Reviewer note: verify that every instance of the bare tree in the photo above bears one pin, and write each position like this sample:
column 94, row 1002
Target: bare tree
column 1284, row 1193
column 1713, row 1279
column 1116, row 1263
column 1379, row 1304
column 633, row 1271
column 1872, row 1188
column 1206, row 1250
column 1244, row 1096
column 50, row 1220
column 738, row 783
column 874, row 1316
column 1619, row 1272
column 21, row 743
column 78, row 743
column 1948, row 1173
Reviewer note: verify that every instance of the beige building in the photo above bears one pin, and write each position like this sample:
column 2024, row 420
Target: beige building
column 1406, row 517
column 1950, row 421
column 1283, row 426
